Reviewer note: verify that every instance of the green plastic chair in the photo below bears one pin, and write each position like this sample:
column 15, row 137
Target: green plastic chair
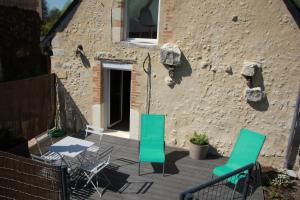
column 246, row 151
column 152, row 145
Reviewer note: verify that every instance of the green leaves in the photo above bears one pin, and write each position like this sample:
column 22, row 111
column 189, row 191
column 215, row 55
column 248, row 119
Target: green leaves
column 199, row 139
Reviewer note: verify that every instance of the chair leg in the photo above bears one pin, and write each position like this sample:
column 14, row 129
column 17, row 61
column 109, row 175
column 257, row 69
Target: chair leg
column 232, row 195
column 97, row 179
column 91, row 181
column 100, row 194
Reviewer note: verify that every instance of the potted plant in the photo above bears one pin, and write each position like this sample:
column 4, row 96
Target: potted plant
column 199, row 146
column 56, row 132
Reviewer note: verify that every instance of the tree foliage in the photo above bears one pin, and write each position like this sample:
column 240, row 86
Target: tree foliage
column 297, row 2
column 49, row 17
column 44, row 10
column 52, row 17
column 68, row 2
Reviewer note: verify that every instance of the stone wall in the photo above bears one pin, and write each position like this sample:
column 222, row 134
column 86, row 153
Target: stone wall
column 19, row 44
column 215, row 38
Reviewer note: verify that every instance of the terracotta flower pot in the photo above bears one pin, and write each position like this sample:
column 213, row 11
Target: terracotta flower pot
column 198, row 152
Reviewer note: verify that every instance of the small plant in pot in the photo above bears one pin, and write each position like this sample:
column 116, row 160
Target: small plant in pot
column 199, row 146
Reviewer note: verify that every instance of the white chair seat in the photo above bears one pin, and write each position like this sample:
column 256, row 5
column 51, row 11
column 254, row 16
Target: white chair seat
column 93, row 148
column 94, row 167
column 51, row 156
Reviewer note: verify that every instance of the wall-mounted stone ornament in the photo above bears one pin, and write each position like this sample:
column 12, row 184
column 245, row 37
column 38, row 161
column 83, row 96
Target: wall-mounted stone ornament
column 170, row 54
column 250, row 68
column 249, row 71
column 254, row 94
column 252, row 73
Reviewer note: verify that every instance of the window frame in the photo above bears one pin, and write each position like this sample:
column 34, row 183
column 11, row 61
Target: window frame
column 141, row 41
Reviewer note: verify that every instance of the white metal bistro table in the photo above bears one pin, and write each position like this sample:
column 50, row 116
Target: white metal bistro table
column 70, row 146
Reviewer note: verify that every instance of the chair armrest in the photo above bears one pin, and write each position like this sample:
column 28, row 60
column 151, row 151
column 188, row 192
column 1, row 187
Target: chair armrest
column 90, row 127
column 94, row 132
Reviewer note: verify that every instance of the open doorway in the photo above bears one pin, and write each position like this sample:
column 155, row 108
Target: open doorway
column 119, row 99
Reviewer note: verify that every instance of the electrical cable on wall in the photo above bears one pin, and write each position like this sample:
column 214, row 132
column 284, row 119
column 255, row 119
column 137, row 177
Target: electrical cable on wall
column 148, row 72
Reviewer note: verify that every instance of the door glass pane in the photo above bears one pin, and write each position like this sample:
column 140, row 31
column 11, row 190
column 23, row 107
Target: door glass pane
column 142, row 18
column 115, row 95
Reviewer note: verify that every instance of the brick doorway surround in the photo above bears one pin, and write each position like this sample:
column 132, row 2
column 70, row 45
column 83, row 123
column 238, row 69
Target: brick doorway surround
column 98, row 83
column 99, row 91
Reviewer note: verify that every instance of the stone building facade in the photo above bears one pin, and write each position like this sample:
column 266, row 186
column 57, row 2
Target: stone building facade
column 206, row 93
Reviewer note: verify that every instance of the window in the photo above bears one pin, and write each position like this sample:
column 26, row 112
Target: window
column 142, row 20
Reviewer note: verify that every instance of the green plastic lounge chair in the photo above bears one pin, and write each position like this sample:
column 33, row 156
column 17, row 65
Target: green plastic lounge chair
column 246, row 151
column 152, row 145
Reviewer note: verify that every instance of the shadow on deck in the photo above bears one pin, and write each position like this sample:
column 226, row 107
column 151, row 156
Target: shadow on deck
column 181, row 172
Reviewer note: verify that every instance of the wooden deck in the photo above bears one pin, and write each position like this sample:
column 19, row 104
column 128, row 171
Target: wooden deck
column 181, row 172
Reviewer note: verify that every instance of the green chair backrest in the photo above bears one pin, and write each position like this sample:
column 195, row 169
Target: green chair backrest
column 247, row 148
column 152, row 131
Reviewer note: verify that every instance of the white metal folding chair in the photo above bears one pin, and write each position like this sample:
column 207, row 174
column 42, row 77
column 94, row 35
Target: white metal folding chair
column 97, row 131
column 92, row 169
column 48, row 156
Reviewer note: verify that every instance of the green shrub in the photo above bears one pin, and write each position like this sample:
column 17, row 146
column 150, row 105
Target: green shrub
column 199, row 139
column 282, row 180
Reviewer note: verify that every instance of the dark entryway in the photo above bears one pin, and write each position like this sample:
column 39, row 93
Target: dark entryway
column 119, row 99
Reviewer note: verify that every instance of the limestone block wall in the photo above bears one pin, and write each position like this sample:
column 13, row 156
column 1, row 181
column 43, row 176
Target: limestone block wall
column 215, row 38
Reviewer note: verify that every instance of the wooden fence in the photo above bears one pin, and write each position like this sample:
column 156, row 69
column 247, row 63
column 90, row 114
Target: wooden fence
column 28, row 106
column 23, row 178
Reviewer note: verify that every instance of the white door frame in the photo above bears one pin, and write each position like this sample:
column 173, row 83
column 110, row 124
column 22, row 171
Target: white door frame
column 107, row 67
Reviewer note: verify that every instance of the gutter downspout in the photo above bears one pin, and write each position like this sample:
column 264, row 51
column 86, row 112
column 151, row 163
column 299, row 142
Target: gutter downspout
column 294, row 138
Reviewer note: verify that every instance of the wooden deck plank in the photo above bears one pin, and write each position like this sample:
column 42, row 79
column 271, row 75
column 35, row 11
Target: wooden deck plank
column 181, row 173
